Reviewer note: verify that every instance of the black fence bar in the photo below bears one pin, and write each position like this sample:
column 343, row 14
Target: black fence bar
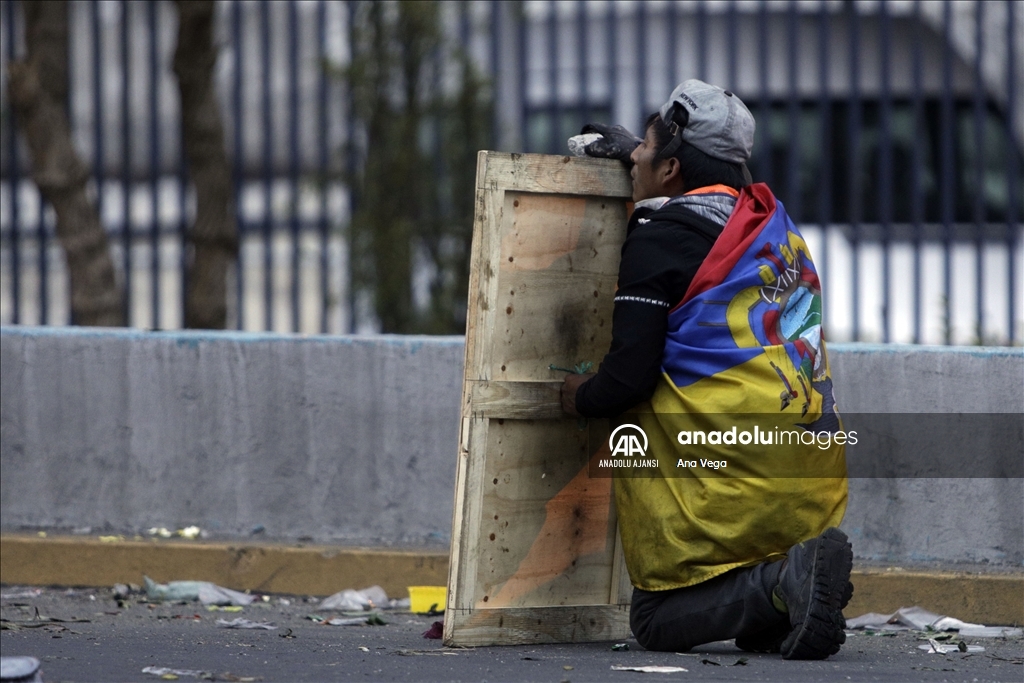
column 946, row 196
column 641, row 59
column 236, row 158
column 126, row 161
column 583, row 36
column 702, row 41
column 1013, row 169
column 268, row 161
column 854, row 186
column 764, row 169
column 350, row 168
column 555, row 128
column 323, row 224
column 14, row 177
column 909, row 172
column 293, row 158
column 885, row 166
column 793, row 111
column 825, row 171
column 154, row 160
column 978, row 208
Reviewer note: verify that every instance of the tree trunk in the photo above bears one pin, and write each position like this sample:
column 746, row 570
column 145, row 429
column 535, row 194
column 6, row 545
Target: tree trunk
column 213, row 239
column 38, row 89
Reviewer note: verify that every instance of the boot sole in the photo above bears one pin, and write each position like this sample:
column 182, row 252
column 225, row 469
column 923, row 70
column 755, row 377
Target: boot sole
column 821, row 631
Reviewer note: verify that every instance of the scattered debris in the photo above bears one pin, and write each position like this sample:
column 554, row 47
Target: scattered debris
column 371, row 619
column 567, row 667
column 39, row 621
column 204, row 591
column 742, row 661
column 30, row 593
column 991, row 632
column 167, row 672
column 364, row 648
column 620, row 647
column 918, row 619
column 350, row 600
column 189, row 532
column 287, row 634
column 160, row 531
column 242, row 622
column 20, row 669
column 935, row 647
column 651, row 669
column 435, row 632
column 710, row 661
column 428, row 653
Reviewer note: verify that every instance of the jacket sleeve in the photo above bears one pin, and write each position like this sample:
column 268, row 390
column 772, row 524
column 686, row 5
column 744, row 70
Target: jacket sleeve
column 659, row 259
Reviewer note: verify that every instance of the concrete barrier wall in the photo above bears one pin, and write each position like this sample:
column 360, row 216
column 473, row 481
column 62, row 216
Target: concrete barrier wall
column 353, row 439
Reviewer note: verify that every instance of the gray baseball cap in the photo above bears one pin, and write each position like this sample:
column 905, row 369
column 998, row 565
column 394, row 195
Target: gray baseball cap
column 713, row 120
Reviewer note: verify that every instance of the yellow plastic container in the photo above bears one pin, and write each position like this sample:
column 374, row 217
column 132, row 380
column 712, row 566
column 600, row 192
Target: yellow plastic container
column 422, row 598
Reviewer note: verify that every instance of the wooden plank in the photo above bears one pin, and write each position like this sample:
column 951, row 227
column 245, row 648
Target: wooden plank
column 546, row 536
column 535, row 625
column 533, row 536
column 549, row 174
column 516, row 400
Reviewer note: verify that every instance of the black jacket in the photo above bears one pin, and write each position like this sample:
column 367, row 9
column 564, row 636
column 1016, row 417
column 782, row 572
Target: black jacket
column 662, row 252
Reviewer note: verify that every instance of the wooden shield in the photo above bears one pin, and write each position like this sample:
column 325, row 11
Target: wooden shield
column 535, row 548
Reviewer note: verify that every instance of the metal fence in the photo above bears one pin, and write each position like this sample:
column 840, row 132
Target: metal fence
column 892, row 131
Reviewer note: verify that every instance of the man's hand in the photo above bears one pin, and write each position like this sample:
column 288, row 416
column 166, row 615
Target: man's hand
column 568, row 392
column 616, row 142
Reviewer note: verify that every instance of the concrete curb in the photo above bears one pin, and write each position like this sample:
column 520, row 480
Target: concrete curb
column 986, row 598
column 299, row 570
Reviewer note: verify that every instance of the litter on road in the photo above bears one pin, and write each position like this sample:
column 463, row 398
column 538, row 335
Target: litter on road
column 651, row 669
column 935, row 647
column 371, row 619
column 167, row 672
column 242, row 622
column 350, row 600
column 919, row 619
column 204, row 591
column 20, row 669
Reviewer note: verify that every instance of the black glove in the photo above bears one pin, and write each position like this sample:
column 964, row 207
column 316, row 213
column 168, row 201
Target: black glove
column 616, row 142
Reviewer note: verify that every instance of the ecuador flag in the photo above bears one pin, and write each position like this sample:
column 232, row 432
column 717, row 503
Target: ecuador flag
column 743, row 424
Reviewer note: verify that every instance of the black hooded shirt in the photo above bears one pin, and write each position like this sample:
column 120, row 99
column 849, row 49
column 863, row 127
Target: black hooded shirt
column 663, row 249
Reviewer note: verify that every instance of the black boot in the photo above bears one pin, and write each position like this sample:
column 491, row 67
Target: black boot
column 770, row 639
column 814, row 585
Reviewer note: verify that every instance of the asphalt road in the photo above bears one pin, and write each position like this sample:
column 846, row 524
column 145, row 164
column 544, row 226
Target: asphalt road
column 98, row 640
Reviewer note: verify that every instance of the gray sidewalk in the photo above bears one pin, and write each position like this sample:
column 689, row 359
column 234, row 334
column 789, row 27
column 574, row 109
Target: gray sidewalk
column 117, row 643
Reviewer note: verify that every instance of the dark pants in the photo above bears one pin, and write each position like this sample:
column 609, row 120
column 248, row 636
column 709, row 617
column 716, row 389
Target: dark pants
column 737, row 603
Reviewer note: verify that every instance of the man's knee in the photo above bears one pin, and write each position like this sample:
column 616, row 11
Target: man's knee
column 650, row 631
